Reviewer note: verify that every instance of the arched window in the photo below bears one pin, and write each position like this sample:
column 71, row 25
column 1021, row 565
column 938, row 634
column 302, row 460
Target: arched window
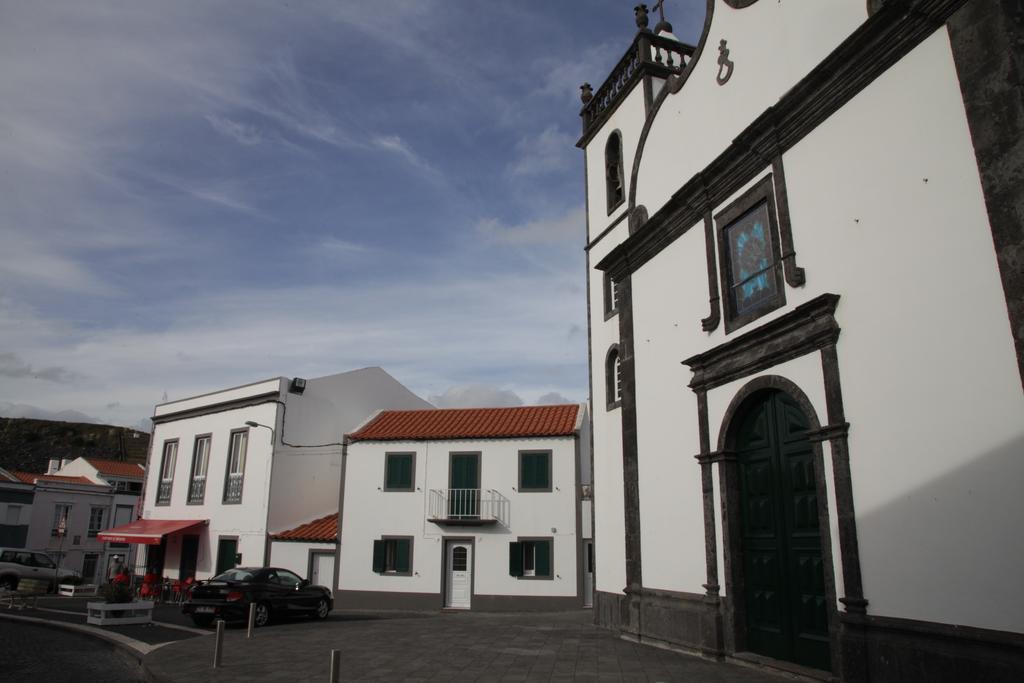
column 616, row 186
column 613, row 378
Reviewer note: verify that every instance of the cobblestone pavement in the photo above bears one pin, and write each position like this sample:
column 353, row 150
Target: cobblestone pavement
column 465, row 647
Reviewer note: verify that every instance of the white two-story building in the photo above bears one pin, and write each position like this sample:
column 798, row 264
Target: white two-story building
column 229, row 468
column 477, row 508
column 65, row 511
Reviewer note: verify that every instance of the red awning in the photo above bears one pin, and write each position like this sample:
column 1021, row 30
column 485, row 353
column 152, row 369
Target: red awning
column 147, row 531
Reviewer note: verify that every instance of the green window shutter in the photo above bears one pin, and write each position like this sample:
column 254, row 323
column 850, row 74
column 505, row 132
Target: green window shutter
column 379, row 553
column 542, row 468
column 534, row 474
column 389, row 471
column 543, row 558
column 526, row 475
column 515, row 559
column 405, row 471
column 398, row 471
column 403, row 563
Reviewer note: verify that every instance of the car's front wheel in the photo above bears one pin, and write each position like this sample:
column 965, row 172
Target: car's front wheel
column 262, row 614
column 323, row 608
column 9, row 583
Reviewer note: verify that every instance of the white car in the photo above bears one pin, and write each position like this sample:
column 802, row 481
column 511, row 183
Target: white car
column 18, row 563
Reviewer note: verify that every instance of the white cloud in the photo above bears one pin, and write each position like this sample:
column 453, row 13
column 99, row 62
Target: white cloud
column 549, row 151
column 396, row 145
column 12, row 366
column 476, row 396
column 37, row 413
column 243, row 133
column 552, row 398
column 568, row 227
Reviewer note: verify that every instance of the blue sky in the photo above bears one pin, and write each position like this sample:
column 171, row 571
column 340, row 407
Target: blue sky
column 197, row 195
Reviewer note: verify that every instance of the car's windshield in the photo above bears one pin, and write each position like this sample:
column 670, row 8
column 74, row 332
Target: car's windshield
column 236, row 575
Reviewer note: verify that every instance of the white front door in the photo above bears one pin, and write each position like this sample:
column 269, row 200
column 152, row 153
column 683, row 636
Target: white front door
column 459, row 560
column 323, row 570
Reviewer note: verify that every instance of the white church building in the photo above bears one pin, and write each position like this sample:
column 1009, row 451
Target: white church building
column 806, row 313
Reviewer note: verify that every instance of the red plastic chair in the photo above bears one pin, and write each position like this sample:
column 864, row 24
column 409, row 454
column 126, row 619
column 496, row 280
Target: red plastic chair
column 183, row 591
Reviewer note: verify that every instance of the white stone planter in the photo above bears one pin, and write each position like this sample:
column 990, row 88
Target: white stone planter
column 119, row 613
column 84, row 589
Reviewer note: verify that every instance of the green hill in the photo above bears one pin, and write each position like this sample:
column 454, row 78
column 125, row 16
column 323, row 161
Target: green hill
column 27, row 444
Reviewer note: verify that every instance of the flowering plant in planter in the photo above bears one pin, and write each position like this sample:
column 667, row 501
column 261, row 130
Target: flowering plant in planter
column 117, row 593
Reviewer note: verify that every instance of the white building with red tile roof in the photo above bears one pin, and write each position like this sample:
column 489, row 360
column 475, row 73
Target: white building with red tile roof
column 310, row 549
column 476, row 508
column 69, row 509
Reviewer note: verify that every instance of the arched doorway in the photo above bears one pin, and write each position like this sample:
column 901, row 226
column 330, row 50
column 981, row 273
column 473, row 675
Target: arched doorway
column 780, row 576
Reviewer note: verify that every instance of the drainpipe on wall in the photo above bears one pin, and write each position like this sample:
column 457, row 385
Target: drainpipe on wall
column 266, row 498
column 341, row 512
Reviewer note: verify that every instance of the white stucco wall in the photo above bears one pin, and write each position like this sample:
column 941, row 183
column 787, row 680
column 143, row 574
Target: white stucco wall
column 246, row 520
column 887, row 212
column 306, row 475
column 928, row 366
column 41, row 514
column 609, row 524
column 268, row 386
column 294, row 555
column 773, row 46
column 628, row 120
column 370, row 513
column 671, row 503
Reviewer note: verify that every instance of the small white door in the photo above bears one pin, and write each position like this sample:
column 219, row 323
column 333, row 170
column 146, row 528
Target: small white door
column 323, row 570
column 459, row 560
column 588, row 573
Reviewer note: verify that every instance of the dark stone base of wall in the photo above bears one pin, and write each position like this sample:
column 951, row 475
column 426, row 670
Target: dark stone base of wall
column 685, row 621
column 387, row 600
column 884, row 649
column 875, row 649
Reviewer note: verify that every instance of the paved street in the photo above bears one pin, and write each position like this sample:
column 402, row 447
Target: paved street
column 40, row 653
column 388, row 646
column 465, row 647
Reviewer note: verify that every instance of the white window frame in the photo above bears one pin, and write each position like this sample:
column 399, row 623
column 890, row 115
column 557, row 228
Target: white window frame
column 96, row 526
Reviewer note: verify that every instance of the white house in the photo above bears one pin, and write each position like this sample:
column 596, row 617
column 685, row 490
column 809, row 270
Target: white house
column 477, row 508
column 71, row 508
column 806, row 316
column 16, row 498
column 309, row 549
column 229, row 468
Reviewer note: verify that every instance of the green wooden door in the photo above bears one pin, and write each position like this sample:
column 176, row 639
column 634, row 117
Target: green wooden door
column 783, row 569
column 464, row 484
column 227, row 549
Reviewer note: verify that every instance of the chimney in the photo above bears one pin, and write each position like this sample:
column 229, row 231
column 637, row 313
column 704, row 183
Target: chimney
column 53, row 465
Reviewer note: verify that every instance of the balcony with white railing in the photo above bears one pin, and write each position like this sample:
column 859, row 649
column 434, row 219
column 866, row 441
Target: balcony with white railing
column 468, row 507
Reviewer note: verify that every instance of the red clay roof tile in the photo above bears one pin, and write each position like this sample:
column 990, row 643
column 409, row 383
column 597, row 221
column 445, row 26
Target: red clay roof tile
column 470, row 423
column 117, row 468
column 323, row 530
column 32, row 477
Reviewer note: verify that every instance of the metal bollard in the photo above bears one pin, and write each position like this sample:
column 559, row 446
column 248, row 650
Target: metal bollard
column 335, row 666
column 218, row 644
column 252, row 619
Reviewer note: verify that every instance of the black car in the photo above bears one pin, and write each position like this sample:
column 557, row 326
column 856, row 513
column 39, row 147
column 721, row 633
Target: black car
column 276, row 592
